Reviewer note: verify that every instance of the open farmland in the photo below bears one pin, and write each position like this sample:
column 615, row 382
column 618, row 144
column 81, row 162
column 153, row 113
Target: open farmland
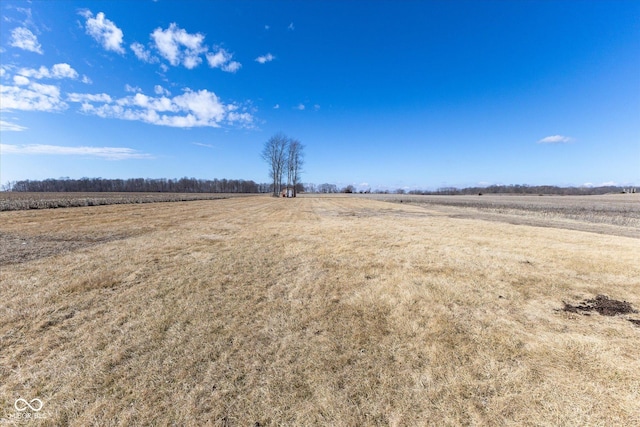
column 318, row 311
column 617, row 214
column 14, row 201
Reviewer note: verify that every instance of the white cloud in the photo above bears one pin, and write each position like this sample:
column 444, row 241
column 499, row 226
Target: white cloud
column 20, row 80
column 316, row 107
column 232, row 67
column 300, row 107
column 200, row 144
column 86, row 97
column 275, row 107
column 63, row 71
column 58, row 71
column 190, row 109
column 222, row 59
column 291, row 27
column 132, row 89
column 23, row 38
column 109, row 153
column 218, row 59
column 34, row 97
column 142, row 53
column 265, row 58
column 104, row 31
column 10, row 127
column 602, row 184
column 159, row 90
column 179, row 47
column 556, row 139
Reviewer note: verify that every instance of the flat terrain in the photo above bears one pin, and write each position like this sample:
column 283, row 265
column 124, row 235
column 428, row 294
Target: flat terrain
column 617, row 214
column 317, row 311
column 14, row 201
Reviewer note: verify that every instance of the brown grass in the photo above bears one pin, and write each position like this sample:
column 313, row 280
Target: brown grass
column 617, row 214
column 15, row 201
column 313, row 311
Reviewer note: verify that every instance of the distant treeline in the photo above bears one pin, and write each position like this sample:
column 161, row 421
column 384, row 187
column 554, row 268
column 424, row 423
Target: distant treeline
column 140, row 185
column 193, row 185
column 527, row 189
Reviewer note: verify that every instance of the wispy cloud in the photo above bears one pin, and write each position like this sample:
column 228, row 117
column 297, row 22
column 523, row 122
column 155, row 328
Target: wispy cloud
column 201, row 144
column 159, row 90
column 291, row 27
column 265, row 58
column 218, row 59
column 300, row 107
column 109, row 153
column 556, row 139
column 86, row 97
column 104, row 31
column 31, row 97
column 132, row 89
column 23, row 38
column 57, row 71
column 20, row 80
column 10, row 127
column 222, row 59
column 602, row 184
column 232, row 67
column 179, row 47
column 190, row 109
column 143, row 53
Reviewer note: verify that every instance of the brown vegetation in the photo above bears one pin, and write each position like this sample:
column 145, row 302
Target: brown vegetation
column 617, row 214
column 312, row 311
column 14, row 201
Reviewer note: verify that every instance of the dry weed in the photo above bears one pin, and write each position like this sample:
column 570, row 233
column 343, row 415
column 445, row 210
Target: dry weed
column 313, row 311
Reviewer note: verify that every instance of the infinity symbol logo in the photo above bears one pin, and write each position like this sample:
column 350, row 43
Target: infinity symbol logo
column 36, row 407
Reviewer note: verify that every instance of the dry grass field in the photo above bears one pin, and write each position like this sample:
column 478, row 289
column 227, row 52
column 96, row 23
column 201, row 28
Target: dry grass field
column 14, row 201
column 340, row 311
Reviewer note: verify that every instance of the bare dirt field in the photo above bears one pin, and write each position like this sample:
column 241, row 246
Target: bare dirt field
column 317, row 311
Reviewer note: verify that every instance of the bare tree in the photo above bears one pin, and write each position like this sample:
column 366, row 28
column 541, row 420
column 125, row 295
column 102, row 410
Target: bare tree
column 275, row 154
column 295, row 160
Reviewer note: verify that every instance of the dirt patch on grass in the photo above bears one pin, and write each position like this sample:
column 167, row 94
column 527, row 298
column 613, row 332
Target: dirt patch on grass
column 603, row 305
column 16, row 248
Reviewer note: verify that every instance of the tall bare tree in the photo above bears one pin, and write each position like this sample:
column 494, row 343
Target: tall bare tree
column 275, row 154
column 295, row 160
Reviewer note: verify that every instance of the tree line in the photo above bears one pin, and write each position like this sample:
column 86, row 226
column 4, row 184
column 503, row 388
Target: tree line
column 140, row 185
column 193, row 185
column 523, row 189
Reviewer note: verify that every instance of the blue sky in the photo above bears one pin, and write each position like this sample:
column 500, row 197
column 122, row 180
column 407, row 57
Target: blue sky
column 384, row 94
